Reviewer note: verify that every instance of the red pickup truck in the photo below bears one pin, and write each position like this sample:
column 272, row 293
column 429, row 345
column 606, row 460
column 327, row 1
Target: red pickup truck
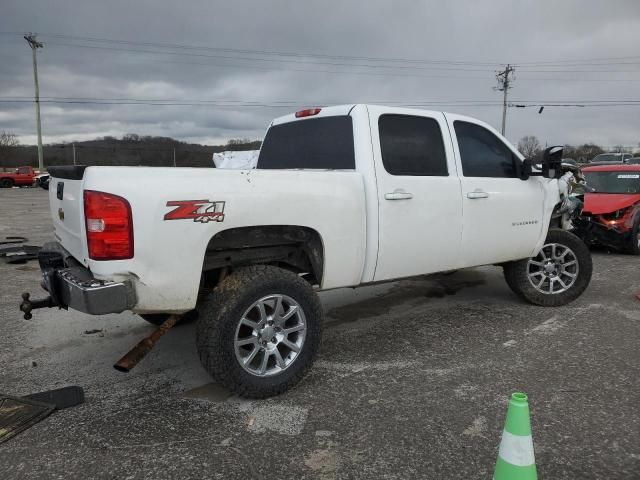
column 20, row 177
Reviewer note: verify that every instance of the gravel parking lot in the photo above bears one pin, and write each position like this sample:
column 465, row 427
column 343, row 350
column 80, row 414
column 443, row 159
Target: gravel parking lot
column 412, row 382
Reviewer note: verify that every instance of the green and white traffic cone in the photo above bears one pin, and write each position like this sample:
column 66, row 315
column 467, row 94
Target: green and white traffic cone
column 515, row 458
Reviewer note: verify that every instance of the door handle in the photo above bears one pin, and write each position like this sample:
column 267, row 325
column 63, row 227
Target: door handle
column 398, row 195
column 477, row 194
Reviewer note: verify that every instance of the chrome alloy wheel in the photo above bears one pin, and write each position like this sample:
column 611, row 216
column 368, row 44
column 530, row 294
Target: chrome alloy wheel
column 270, row 335
column 554, row 270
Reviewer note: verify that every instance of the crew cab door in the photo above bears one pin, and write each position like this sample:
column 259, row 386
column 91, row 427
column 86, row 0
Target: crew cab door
column 419, row 200
column 503, row 214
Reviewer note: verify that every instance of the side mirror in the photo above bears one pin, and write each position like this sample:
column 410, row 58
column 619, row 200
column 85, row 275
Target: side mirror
column 552, row 162
column 526, row 169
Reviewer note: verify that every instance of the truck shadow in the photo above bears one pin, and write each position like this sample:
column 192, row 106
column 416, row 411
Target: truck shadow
column 413, row 292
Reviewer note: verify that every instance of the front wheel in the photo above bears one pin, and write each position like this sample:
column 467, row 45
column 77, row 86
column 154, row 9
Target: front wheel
column 258, row 332
column 556, row 276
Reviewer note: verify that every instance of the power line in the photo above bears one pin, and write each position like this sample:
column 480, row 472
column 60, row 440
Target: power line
column 566, row 62
column 339, row 72
column 306, row 62
column 292, row 105
column 272, row 53
column 308, row 102
column 256, row 59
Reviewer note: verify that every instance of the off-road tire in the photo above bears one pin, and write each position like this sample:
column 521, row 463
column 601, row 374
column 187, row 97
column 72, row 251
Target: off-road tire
column 222, row 310
column 159, row 318
column 515, row 273
column 6, row 183
column 632, row 246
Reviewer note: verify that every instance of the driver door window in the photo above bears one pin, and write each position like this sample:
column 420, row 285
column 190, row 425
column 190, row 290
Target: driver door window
column 482, row 154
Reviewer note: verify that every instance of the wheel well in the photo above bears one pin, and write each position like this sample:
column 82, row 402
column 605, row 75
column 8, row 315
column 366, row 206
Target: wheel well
column 295, row 248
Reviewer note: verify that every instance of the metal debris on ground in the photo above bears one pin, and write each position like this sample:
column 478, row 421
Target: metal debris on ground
column 20, row 254
column 18, row 414
column 91, row 332
column 13, row 240
column 64, row 397
column 15, row 251
column 137, row 353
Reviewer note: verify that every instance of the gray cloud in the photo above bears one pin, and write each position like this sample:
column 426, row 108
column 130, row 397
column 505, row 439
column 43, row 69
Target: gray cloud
column 495, row 32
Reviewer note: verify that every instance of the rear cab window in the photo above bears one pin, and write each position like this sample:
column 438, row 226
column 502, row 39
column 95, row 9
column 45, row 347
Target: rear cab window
column 317, row 143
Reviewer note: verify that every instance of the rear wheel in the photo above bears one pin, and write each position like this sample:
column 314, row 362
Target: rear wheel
column 556, row 276
column 259, row 331
column 6, row 183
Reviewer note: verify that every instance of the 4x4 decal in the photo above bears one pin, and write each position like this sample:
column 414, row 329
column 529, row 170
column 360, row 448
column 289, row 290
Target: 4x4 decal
column 202, row 211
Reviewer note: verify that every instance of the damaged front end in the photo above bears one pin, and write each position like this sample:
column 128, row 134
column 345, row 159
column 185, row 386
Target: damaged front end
column 613, row 229
column 571, row 188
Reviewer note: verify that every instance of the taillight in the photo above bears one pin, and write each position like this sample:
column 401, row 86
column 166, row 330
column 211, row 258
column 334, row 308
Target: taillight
column 109, row 226
column 309, row 112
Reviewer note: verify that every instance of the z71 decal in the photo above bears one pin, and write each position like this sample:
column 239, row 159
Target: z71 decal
column 202, row 211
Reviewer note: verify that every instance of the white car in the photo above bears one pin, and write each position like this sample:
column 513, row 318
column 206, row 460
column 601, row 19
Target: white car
column 342, row 196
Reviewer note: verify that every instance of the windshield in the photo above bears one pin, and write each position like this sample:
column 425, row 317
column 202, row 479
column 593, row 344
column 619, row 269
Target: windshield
column 613, row 182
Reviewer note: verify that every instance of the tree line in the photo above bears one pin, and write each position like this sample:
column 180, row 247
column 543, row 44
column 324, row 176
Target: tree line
column 531, row 147
column 129, row 150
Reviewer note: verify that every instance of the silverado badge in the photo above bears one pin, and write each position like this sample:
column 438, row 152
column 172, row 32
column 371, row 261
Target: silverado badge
column 202, row 211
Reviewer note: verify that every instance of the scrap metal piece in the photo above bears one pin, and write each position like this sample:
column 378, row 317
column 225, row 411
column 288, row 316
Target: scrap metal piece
column 18, row 414
column 137, row 353
column 64, row 397
column 13, row 240
column 20, row 254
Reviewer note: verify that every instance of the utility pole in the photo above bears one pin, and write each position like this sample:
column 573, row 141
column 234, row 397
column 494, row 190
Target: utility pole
column 174, row 156
column 505, row 77
column 35, row 45
column 74, row 153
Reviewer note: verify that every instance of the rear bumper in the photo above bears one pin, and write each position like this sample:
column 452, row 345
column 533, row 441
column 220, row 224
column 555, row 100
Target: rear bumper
column 71, row 285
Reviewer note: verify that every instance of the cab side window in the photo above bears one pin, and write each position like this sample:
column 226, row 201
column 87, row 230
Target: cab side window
column 482, row 153
column 412, row 146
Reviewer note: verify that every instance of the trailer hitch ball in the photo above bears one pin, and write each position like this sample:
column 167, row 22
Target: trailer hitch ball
column 27, row 304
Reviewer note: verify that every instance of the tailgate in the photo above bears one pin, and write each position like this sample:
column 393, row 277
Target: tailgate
column 67, row 210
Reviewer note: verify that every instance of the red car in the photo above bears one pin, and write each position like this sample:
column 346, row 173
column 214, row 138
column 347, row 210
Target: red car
column 611, row 213
column 21, row 177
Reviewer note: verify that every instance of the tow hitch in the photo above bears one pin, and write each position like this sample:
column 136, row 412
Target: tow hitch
column 27, row 304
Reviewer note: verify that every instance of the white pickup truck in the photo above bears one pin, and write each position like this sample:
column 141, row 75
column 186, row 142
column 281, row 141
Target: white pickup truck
column 342, row 196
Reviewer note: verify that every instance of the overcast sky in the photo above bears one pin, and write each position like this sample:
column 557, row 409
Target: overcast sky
column 589, row 49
